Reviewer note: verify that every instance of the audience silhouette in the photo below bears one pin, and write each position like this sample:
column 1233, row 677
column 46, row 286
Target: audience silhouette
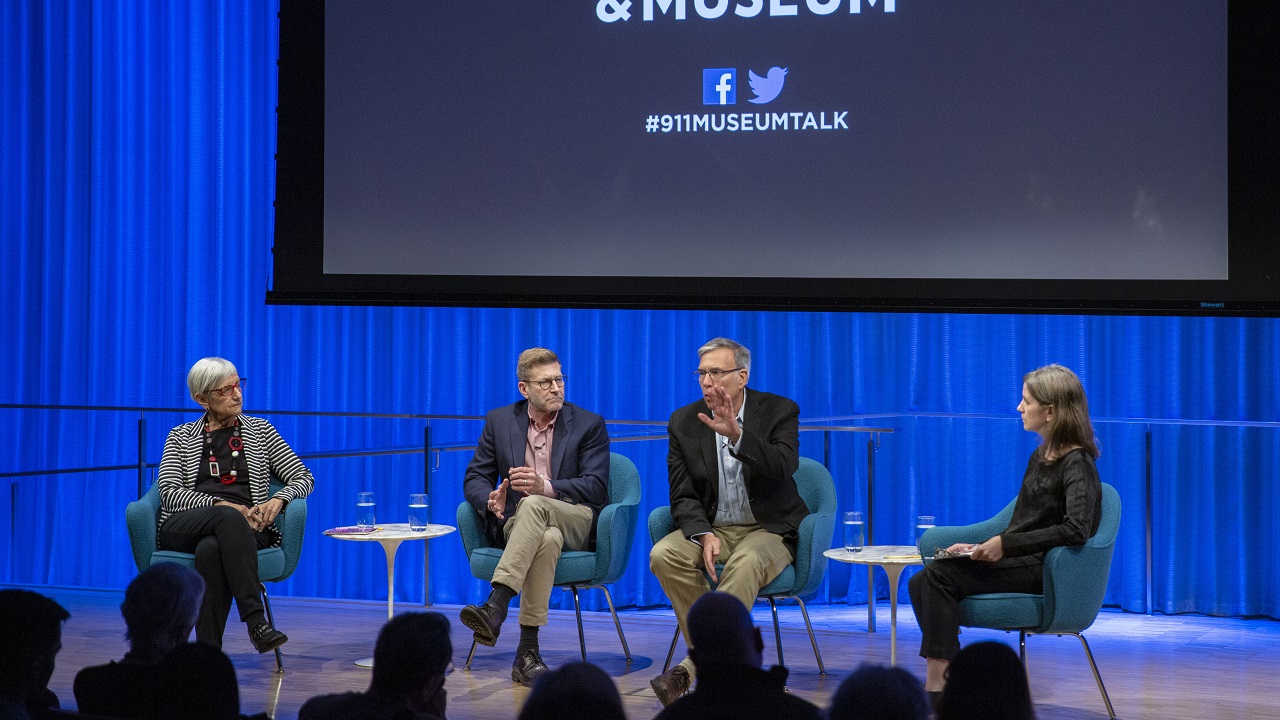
column 410, row 663
column 986, row 681
column 160, row 609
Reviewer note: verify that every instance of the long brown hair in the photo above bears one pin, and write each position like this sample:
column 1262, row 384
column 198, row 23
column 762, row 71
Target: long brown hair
column 1057, row 386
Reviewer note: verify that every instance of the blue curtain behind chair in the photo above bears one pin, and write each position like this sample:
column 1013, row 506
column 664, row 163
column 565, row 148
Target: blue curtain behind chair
column 136, row 144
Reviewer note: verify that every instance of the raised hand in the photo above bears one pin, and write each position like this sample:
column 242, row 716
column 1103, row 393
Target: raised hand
column 724, row 421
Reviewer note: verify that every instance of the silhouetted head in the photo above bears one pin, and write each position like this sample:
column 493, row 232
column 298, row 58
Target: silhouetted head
column 413, row 651
column 986, row 681
column 574, row 691
column 876, row 692
column 721, row 632
column 31, row 625
column 160, row 608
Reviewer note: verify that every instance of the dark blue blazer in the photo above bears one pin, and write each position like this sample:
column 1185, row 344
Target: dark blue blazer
column 579, row 462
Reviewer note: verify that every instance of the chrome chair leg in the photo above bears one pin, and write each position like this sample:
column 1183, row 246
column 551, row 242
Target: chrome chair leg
column 1111, row 712
column 672, row 650
column 777, row 630
column 470, row 655
column 618, row 625
column 266, row 605
column 577, row 611
column 812, row 640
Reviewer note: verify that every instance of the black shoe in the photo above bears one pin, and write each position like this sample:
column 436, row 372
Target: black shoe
column 527, row 667
column 670, row 685
column 266, row 638
column 485, row 621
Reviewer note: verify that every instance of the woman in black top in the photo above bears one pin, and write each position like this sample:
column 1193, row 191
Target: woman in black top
column 1060, row 503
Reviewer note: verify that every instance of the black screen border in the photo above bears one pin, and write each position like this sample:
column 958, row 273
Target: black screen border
column 1253, row 287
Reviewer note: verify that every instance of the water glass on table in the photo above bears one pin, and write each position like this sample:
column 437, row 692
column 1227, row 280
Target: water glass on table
column 923, row 524
column 365, row 506
column 853, row 538
column 418, row 507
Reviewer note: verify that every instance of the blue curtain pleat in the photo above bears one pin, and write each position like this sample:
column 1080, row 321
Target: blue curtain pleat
column 136, row 154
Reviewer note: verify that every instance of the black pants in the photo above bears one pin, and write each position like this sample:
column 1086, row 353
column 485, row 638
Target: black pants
column 226, row 551
column 937, row 590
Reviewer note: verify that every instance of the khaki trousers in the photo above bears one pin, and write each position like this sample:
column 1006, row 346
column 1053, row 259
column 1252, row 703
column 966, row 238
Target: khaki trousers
column 752, row 558
column 539, row 530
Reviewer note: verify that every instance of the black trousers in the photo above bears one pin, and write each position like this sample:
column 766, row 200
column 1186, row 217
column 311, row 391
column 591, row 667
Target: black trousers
column 226, row 551
column 937, row 590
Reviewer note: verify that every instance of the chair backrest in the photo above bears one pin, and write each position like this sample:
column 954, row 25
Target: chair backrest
column 816, row 487
column 1075, row 578
column 616, row 529
column 624, row 481
column 291, row 523
column 818, row 490
column 140, row 517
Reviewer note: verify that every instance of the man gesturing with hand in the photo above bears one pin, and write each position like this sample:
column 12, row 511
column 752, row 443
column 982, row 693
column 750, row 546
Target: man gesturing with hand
column 538, row 479
column 734, row 501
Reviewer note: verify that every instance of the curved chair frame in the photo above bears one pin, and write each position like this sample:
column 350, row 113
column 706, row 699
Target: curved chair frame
column 804, row 576
column 576, row 569
column 1075, row 583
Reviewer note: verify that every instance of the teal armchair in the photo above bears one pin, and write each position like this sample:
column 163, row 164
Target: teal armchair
column 1075, row 583
column 274, row 564
column 576, row 569
column 801, row 578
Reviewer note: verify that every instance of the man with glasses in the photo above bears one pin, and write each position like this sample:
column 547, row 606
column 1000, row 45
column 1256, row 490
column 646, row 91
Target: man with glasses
column 539, row 479
column 734, row 501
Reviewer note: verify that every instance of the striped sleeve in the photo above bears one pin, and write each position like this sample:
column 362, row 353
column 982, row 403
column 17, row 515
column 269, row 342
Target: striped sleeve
column 285, row 465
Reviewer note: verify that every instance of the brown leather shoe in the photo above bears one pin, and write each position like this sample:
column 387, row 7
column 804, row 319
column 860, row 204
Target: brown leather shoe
column 670, row 685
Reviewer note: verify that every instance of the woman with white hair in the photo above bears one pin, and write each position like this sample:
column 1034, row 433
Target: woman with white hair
column 214, row 499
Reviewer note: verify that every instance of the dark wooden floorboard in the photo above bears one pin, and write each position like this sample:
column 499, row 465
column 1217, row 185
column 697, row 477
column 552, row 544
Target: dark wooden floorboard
column 1162, row 667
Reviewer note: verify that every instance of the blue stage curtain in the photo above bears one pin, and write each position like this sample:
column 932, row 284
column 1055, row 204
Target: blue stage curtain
column 136, row 144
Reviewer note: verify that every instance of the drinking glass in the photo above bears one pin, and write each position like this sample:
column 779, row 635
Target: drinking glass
column 923, row 523
column 418, row 507
column 365, row 510
column 853, row 531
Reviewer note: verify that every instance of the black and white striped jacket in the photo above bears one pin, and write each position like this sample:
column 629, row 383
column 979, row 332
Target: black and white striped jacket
column 266, row 453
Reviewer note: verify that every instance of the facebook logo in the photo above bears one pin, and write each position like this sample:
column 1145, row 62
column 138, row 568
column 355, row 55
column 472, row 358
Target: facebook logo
column 719, row 86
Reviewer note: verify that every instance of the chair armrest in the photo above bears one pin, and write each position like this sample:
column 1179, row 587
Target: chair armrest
column 1075, row 584
column 947, row 535
column 615, row 532
column 659, row 523
column 292, row 523
column 815, row 534
column 140, row 516
column 470, row 529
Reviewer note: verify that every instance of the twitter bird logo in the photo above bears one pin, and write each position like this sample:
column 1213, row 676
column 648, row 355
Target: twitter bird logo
column 767, row 88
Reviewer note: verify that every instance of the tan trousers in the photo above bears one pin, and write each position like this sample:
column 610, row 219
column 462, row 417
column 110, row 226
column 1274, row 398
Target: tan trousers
column 752, row 558
column 539, row 530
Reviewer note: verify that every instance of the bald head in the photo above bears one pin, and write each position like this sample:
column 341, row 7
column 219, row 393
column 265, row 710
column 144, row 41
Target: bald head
column 721, row 632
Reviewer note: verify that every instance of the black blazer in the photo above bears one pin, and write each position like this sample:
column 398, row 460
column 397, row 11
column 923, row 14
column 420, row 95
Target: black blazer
column 769, row 452
column 579, row 462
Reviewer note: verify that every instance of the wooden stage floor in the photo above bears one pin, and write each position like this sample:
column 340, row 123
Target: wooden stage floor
column 1162, row 667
